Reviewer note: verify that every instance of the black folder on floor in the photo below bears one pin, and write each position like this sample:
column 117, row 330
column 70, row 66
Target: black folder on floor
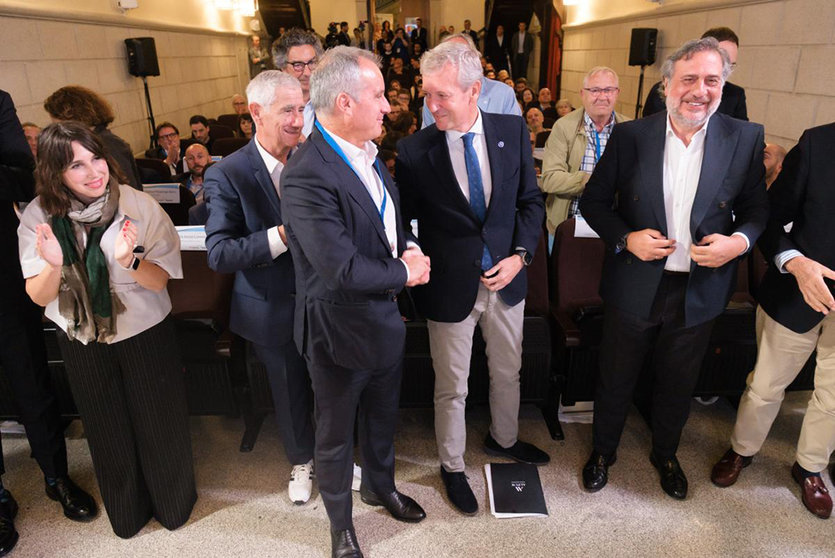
column 515, row 490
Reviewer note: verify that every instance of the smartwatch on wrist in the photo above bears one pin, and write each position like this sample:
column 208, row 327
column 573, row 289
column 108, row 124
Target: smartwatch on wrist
column 526, row 257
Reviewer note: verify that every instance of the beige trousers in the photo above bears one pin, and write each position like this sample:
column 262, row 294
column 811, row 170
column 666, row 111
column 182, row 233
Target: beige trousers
column 781, row 355
column 451, row 347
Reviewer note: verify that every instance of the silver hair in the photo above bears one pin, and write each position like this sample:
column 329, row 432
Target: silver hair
column 686, row 51
column 463, row 36
column 292, row 38
column 599, row 70
column 261, row 90
column 338, row 72
column 464, row 58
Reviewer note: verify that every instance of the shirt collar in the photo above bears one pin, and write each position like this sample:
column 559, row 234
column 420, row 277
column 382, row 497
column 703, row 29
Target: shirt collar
column 477, row 128
column 365, row 155
column 270, row 161
column 590, row 123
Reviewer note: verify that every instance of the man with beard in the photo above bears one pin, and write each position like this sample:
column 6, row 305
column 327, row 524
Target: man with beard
column 690, row 200
column 197, row 159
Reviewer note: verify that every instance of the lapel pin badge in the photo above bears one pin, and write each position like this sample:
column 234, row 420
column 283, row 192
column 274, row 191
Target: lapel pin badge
column 501, row 144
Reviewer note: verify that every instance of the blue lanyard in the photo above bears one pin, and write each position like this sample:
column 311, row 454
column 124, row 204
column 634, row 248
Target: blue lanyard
column 596, row 144
column 344, row 157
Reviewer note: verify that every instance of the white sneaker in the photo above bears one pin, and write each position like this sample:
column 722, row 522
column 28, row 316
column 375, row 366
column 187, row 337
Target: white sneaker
column 301, row 483
column 355, row 484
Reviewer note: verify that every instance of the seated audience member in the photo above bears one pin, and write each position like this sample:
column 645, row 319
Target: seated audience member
column 510, row 83
column 197, row 160
column 74, row 102
column 404, row 97
column 405, row 123
column 399, row 72
column 118, row 344
column 200, row 130
column 527, row 97
column 391, row 94
column 535, row 121
column 490, row 74
column 773, row 156
column 563, row 107
column 170, row 147
column 520, row 84
column 31, row 131
column 239, row 104
column 245, row 125
column 545, row 104
column 503, row 75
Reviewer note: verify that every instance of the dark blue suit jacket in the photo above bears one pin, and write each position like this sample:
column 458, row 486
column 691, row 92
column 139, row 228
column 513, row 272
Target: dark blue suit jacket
column 242, row 204
column 449, row 231
column 346, row 277
column 626, row 193
column 803, row 194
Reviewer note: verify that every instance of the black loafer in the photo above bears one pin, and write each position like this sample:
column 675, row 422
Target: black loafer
column 596, row 471
column 344, row 544
column 673, row 480
column 77, row 504
column 522, row 452
column 459, row 492
column 8, row 534
column 400, row 506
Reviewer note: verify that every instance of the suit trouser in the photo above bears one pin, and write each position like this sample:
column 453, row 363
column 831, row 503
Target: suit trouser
column 23, row 357
column 451, row 347
column 292, row 397
column 337, row 392
column 675, row 356
column 132, row 400
column 780, row 357
column 520, row 65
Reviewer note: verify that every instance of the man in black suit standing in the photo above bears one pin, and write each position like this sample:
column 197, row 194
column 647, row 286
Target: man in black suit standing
column 795, row 317
column 690, row 200
column 348, row 242
column 469, row 180
column 418, row 35
column 497, row 49
column 520, row 49
column 245, row 235
column 733, row 96
column 22, row 348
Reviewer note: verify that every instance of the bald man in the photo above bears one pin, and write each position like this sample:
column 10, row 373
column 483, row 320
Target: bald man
column 197, row 159
column 773, row 156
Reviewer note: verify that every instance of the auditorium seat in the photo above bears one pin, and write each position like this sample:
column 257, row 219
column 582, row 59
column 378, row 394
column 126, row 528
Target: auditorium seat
column 158, row 170
column 219, row 131
column 227, row 146
column 229, row 120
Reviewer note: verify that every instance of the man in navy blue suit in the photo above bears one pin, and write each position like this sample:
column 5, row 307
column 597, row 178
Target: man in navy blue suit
column 349, row 248
column 678, row 197
column 245, row 235
column 469, row 180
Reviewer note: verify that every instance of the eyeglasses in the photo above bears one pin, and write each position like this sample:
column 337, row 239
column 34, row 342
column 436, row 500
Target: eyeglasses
column 598, row 91
column 299, row 66
column 172, row 135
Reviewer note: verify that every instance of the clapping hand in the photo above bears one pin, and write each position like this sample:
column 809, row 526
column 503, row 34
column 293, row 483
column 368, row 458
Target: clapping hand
column 47, row 245
column 125, row 243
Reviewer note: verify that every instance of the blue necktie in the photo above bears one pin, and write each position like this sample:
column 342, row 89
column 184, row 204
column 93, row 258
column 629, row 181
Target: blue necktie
column 476, row 191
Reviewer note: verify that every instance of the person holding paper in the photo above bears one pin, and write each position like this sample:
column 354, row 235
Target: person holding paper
column 98, row 255
column 245, row 236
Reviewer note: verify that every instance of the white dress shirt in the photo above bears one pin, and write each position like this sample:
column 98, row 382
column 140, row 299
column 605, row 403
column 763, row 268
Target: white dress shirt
column 274, row 167
column 309, row 116
column 455, row 143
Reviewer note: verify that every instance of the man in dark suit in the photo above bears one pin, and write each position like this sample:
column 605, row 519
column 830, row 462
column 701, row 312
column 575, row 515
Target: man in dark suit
column 245, row 235
column 690, row 200
column 469, row 180
column 520, row 49
column 795, row 318
column 171, row 148
column 733, row 96
column 418, row 35
column 349, row 247
column 497, row 49
column 22, row 348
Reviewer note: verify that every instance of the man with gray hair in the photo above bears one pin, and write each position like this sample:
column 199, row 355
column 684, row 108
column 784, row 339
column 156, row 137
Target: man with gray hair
column 297, row 52
column 245, row 236
column 350, row 251
column 470, row 182
column 678, row 197
column 495, row 96
column 576, row 143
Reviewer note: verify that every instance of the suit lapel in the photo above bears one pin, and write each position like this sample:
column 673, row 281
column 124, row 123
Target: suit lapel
column 352, row 184
column 651, row 157
column 718, row 152
column 259, row 169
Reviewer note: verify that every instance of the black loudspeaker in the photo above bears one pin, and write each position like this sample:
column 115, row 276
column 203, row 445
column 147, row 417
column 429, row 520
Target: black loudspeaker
column 642, row 47
column 142, row 57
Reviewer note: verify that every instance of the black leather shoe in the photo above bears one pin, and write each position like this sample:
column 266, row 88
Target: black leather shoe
column 459, row 492
column 400, row 506
column 673, row 480
column 344, row 544
column 8, row 534
column 596, row 471
column 522, row 452
column 77, row 504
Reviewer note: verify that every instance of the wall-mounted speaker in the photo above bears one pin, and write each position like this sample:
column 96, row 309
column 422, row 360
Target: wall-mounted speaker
column 142, row 57
column 642, row 47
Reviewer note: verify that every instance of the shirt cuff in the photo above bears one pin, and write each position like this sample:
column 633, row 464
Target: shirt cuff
column 747, row 242
column 277, row 246
column 408, row 275
column 781, row 259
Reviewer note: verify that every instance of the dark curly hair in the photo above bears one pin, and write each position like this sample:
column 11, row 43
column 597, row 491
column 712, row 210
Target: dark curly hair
column 75, row 102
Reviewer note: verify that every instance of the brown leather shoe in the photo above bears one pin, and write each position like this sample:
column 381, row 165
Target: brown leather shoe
column 815, row 494
column 727, row 470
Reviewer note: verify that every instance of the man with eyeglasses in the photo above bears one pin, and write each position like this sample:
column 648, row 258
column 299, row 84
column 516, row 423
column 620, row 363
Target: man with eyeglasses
column 575, row 145
column 733, row 96
column 170, row 149
column 297, row 52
